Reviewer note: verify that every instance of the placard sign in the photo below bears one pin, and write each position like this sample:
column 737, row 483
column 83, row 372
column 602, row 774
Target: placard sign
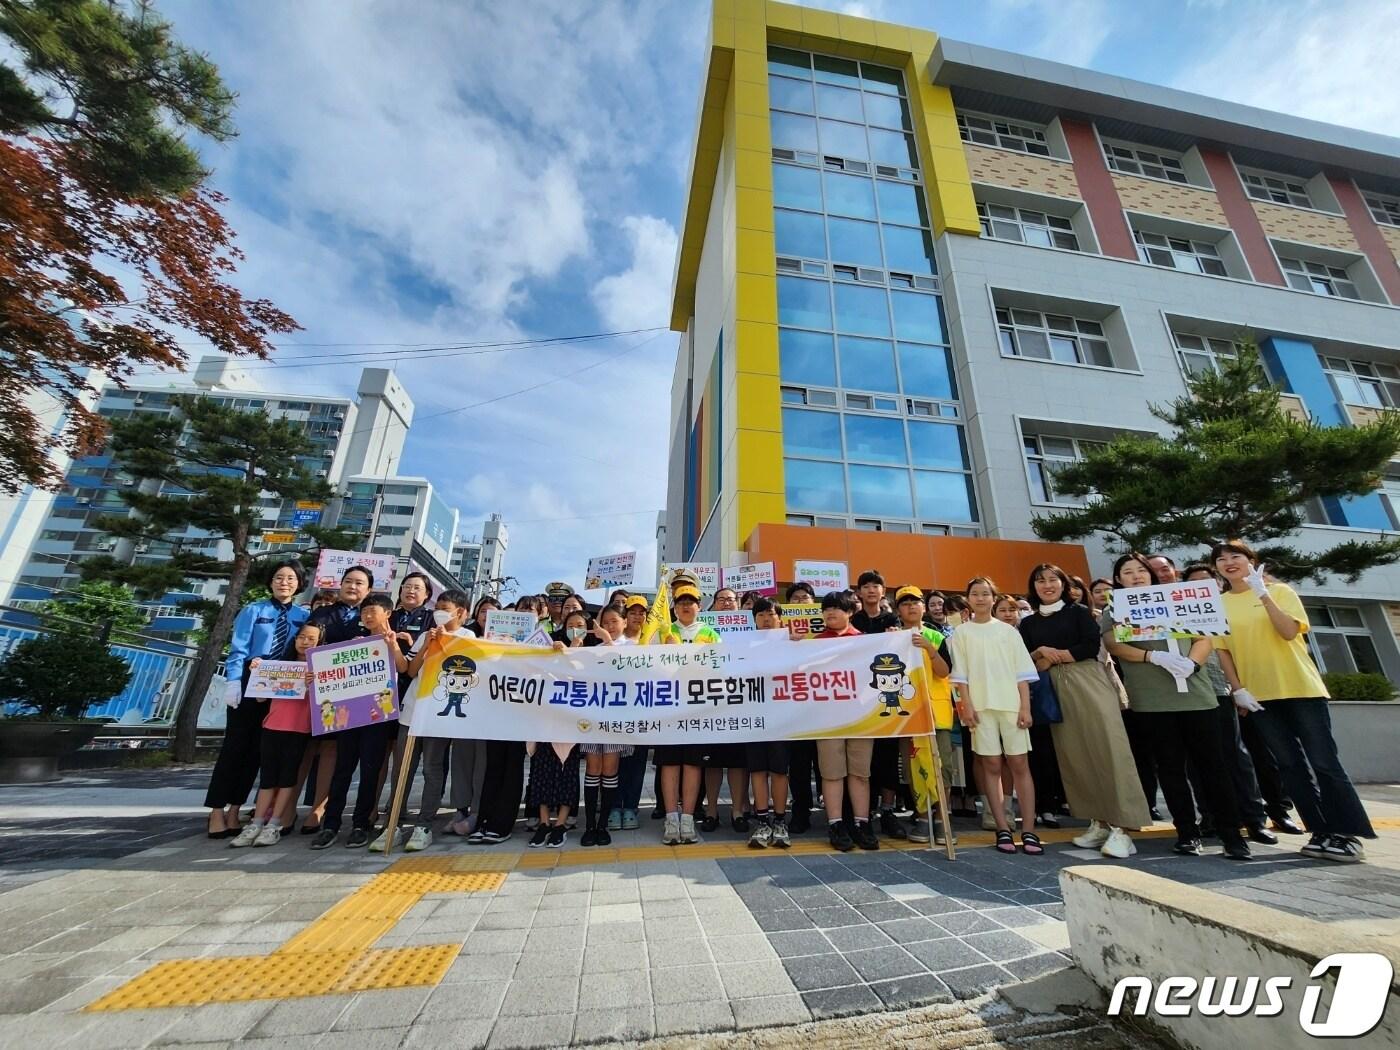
column 803, row 618
column 1169, row 610
column 822, row 576
column 352, row 684
column 504, row 625
column 331, row 566
column 728, row 621
column 277, row 680
column 609, row 570
column 706, row 572
column 757, row 577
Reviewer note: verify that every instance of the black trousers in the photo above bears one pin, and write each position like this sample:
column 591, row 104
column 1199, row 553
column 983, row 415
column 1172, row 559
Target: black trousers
column 802, row 759
column 1239, row 768
column 503, row 786
column 1275, row 795
column 1045, row 771
column 239, row 756
column 1177, row 736
column 884, row 769
column 364, row 748
column 1140, row 743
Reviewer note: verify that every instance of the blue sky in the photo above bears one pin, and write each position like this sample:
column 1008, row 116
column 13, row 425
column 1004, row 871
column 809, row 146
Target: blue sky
column 445, row 172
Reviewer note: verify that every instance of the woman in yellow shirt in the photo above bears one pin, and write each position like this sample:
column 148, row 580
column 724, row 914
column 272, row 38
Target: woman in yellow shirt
column 1274, row 680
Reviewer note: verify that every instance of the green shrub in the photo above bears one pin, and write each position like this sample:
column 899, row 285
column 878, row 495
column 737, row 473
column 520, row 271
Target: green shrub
column 1359, row 686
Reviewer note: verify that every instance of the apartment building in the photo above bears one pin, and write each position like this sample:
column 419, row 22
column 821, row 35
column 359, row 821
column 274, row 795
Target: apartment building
column 479, row 562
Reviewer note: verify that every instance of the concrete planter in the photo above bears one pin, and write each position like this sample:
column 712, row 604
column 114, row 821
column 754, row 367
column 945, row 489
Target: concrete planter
column 1366, row 731
column 30, row 750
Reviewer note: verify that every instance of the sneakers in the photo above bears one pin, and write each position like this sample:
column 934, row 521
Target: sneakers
column 1048, row 820
column 476, row 838
column 615, row 820
column 629, row 820
column 421, row 838
column 1118, row 844
column 1188, row 847
column 989, row 822
column 1094, row 837
column 865, row 835
column 780, row 835
column 840, row 837
column 762, row 836
column 540, row 837
column 557, row 835
column 1345, row 849
column 940, row 839
column 358, row 837
column 246, row 837
column 688, row 833
column 671, row 830
column 269, row 836
column 1316, row 845
column 891, row 826
column 1236, row 848
column 604, row 837
column 589, row 837
column 918, row 832
column 325, row 837
column 382, row 840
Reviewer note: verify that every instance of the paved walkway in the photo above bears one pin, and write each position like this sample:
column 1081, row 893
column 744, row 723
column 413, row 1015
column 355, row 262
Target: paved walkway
column 189, row 942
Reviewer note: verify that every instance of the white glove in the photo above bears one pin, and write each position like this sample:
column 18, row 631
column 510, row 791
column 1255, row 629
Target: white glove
column 1255, row 579
column 233, row 694
column 1245, row 701
column 1173, row 663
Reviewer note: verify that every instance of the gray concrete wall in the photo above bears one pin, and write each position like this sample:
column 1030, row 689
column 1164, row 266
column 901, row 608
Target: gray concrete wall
column 1366, row 733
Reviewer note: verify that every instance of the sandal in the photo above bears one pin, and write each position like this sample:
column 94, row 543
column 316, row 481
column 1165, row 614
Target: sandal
column 1030, row 844
column 1005, row 843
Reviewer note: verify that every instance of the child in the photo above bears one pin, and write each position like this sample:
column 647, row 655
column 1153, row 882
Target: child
column 286, row 730
column 680, row 764
column 601, row 760
column 631, row 769
column 909, row 607
column 992, row 672
column 768, row 761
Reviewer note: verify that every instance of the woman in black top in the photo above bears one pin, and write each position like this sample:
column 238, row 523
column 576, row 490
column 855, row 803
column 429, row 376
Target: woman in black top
column 1096, row 763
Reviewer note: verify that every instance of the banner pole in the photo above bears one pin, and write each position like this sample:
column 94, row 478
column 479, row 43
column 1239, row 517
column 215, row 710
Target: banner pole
column 400, row 793
column 943, row 817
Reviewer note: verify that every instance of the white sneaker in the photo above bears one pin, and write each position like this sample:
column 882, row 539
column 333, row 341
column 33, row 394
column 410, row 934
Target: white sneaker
column 269, row 836
column 1119, row 844
column 671, row 830
column 989, row 822
column 421, row 838
column 247, row 836
column 377, row 846
column 688, row 833
column 1093, row 838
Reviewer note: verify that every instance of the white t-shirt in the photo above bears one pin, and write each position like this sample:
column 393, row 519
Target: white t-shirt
column 407, row 704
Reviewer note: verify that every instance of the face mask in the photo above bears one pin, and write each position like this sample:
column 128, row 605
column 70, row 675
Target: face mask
column 576, row 633
column 442, row 617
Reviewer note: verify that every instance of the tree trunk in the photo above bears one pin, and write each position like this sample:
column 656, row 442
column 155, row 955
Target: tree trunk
column 187, row 719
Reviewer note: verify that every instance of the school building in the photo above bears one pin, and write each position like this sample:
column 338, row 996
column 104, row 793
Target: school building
column 916, row 276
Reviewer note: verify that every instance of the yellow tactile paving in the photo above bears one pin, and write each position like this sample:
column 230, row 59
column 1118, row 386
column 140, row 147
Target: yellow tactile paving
column 398, row 968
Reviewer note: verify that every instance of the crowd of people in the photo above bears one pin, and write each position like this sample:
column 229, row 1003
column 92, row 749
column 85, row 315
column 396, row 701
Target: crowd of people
column 1036, row 704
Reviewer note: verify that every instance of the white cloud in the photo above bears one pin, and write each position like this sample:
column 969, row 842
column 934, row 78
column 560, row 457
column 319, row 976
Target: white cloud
column 639, row 297
column 1069, row 31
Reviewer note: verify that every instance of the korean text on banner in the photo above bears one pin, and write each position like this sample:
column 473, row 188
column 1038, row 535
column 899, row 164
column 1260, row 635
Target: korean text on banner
column 331, row 566
column 756, row 577
column 277, row 680
column 729, row 621
column 755, row 686
column 503, row 625
column 706, row 573
column 610, row 570
column 1169, row 610
column 352, row 684
column 803, row 617
column 822, row 576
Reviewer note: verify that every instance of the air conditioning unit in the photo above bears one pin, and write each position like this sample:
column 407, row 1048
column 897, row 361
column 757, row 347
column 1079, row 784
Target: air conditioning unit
column 142, row 548
column 84, row 500
column 105, row 545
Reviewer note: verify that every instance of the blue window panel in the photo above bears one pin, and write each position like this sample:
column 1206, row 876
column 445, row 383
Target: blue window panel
column 893, row 147
column 859, row 311
column 799, row 233
column 793, row 63
column 794, row 132
column 926, row 371
column 868, row 364
column 841, row 140
column 882, row 79
column 814, row 486
column 918, row 317
column 880, row 492
column 807, row 433
column 945, row 497
column 805, row 304
column 849, row 195
column 790, row 94
column 853, row 241
column 875, row 439
column 902, row 203
column 836, row 71
column 887, row 111
column 795, row 187
column 839, row 102
column 908, row 250
column 806, row 357
column 937, row 445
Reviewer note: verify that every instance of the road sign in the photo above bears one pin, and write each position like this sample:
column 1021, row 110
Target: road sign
column 307, row 512
column 288, row 536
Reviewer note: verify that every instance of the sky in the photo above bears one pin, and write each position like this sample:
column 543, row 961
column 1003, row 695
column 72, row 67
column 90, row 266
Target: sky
column 427, row 173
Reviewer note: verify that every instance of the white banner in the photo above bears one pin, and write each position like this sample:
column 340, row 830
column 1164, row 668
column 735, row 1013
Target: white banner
column 757, row 577
column 332, row 565
column 1168, row 610
column 609, row 570
column 754, row 686
column 822, row 576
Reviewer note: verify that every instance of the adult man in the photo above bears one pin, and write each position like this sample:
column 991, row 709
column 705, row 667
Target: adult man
column 554, row 595
column 1164, row 567
column 936, row 617
column 727, row 756
column 874, row 618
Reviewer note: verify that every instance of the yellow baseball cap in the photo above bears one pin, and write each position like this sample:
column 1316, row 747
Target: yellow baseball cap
column 685, row 590
column 908, row 592
column 635, row 600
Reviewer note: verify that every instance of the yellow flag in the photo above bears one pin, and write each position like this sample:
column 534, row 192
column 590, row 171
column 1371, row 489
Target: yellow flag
column 659, row 615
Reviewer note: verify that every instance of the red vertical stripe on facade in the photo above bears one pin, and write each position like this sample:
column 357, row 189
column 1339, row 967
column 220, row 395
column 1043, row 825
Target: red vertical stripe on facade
column 1097, row 189
column 1240, row 215
column 1363, row 228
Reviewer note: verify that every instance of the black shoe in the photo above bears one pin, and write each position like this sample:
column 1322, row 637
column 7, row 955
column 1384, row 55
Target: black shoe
column 1263, row 835
column 589, row 838
column 1154, row 812
column 557, row 835
column 1188, row 847
column 358, row 837
column 865, row 835
column 840, row 837
column 1316, row 845
column 1343, row 848
column 740, row 824
column 602, row 837
column 311, row 829
column 890, row 826
column 799, row 824
column 540, row 836
column 1287, row 826
column 709, row 824
column 324, row 838
column 658, row 812
column 1236, row 847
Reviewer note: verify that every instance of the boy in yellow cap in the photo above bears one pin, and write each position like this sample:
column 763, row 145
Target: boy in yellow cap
column 909, row 606
column 680, row 764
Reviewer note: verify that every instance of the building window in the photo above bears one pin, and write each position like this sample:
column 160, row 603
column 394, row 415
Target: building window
column 1178, row 253
column 1384, row 209
column 1200, row 354
column 1340, row 641
column 1318, row 277
column 1131, row 160
column 1005, row 223
column 992, row 131
column 1045, row 455
column 1366, row 383
column 1052, row 337
column 1278, row 189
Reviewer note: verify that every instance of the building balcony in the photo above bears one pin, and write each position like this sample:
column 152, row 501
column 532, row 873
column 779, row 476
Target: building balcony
column 1292, row 405
column 1361, row 415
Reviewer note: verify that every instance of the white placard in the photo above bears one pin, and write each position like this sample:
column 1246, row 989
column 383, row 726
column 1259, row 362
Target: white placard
column 609, row 570
column 510, row 626
column 756, row 577
column 1169, row 610
column 706, row 572
column 822, row 576
column 331, row 566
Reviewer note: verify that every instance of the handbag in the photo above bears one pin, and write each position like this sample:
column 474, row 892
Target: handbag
column 1045, row 703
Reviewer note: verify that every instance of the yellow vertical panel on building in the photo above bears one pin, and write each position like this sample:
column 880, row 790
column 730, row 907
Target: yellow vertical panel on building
column 722, row 33
column 753, row 169
column 750, row 37
column 752, row 509
column 756, row 299
column 751, row 99
column 760, row 455
column 754, row 209
column 893, row 37
column 757, row 347
column 724, row 10
column 751, row 131
column 820, row 24
column 921, row 44
column 750, row 67
column 760, row 403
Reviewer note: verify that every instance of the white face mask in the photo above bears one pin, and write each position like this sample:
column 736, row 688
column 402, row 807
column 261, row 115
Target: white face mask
column 442, row 617
column 576, row 632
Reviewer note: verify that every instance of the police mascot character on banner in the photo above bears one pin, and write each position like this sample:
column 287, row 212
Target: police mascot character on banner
column 457, row 677
column 888, row 678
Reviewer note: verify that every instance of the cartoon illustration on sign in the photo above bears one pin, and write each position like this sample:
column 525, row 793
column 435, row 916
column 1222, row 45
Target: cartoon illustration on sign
column 887, row 677
column 455, row 680
column 385, row 702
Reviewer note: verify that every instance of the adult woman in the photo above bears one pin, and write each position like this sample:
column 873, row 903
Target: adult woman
column 410, row 618
column 1101, row 593
column 1274, row 680
column 1171, row 694
column 1096, row 764
column 727, row 756
column 262, row 630
column 1078, row 591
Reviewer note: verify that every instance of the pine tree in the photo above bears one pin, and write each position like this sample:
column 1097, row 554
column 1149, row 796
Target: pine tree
column 1235, row 466
column 99, row 607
